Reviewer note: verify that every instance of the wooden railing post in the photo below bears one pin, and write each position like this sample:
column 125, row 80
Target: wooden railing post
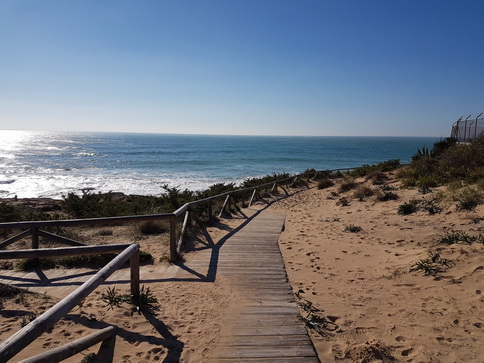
column 210, row 212
column 35, row 238
column 173, row 253
column 134, row 266
column 226, row 203
column 274, row 188
column 186, row 225
column 253, row 196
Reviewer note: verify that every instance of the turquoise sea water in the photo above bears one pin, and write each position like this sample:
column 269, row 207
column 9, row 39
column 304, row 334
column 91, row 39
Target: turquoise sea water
column 46, row 164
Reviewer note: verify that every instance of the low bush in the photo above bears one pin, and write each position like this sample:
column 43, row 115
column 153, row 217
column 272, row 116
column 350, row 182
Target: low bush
column 325, row 183
column 468, row 199
column 407, row 208
column 347, row 185
column 385, row 196
column 378, row 178
column 433, row 264
column 362, row 192
column 353, row 229
column 343, row 202
column 384, row 166
column 426, row 182
column 453, row 237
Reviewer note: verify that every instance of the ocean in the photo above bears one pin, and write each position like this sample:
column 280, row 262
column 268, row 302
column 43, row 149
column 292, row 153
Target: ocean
column 50, row 164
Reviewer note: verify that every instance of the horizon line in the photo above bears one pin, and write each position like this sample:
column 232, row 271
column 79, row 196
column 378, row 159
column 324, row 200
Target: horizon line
column 204, row 134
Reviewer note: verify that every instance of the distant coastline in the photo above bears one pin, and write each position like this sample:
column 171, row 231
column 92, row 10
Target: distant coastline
column 52, row 164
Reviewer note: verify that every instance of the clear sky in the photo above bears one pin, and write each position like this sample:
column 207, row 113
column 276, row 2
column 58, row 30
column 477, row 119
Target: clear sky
column 269, row 67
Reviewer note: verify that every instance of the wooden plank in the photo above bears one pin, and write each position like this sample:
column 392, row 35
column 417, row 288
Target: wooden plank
column 269, row 360
column 265, row 340
column 269, row 352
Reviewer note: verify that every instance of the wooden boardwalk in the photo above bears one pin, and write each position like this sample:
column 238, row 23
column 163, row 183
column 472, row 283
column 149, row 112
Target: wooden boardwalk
column 267, row 326
column 264, row 327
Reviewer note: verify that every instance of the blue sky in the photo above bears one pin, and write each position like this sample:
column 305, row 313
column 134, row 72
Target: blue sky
column 268, row 67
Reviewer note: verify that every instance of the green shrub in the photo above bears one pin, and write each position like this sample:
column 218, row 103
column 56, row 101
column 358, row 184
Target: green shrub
column 150, row 228
column 407, row 208
column 427, row 182
column 325, row 183
column 145, row 302
column 468, row 199
column 409, row 182
column 388, row 196
column 430, row 206
column 453, row 237
column 384, row 166
column 9, row 213
column 343, row 202
column 353, row 229
column 89, row 358
column 106, row 232
column 362, row 192
column 347, row 185
column 378, row 178
column 433, row 264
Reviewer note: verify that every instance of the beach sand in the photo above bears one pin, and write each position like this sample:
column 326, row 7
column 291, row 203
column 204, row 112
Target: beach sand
column 365, row 282
column 381, row 309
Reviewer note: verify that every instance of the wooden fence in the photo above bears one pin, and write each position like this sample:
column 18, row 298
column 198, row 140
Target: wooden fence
column 33, row 228
column 14, row 344
column 18, row 341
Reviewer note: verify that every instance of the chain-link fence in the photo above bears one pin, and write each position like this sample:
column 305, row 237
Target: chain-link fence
column 468, row 128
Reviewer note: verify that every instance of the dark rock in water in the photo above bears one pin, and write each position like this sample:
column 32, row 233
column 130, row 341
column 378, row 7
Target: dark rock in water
column 41, row 204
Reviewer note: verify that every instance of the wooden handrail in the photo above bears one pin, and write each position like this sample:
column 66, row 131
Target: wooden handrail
column 86, row 221
column 68, row 350
column 34, row 226
column 63, row 251
column 18, row 341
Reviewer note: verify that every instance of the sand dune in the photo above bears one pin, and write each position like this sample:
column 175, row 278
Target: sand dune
column 365, row 282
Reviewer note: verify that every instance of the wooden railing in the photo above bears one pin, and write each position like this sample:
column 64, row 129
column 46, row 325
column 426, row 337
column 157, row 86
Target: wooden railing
column 34, row 227
column 18, row 341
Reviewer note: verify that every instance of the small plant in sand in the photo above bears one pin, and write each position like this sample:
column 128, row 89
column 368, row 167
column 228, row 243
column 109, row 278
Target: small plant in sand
column 433, row 264
column 325, row 183
column 426, row 183
column 21, row 299
column 385, row 196
column 314, row 319
column 378, row 178
column 106, row 232
column 453, row 237
column 408, row 208
column 430, row 206
column 353, row 229
column 362, row 192
column 145, row 302
column 89, row 358
column 27, row 319
column 468, row 199
column 477, row 220
column 343, row 201
column 389, row 188
column 347, row 185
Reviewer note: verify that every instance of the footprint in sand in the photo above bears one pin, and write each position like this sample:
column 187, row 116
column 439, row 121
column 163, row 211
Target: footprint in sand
column 407, row 352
